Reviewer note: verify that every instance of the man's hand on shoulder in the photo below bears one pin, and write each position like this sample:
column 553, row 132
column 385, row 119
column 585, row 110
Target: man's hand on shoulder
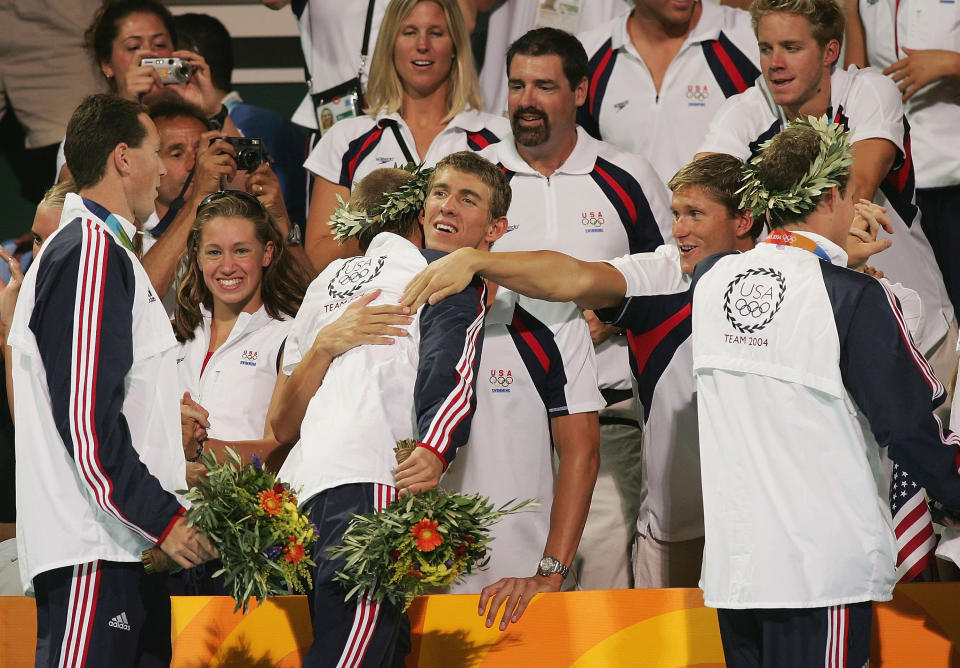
column 513, row 595
column 444, row 277
column 420, row 472
column 187, row 546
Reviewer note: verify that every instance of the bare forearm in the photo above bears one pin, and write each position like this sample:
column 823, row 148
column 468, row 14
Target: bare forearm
column 163, row 257
column 578, row 450
column 270, row 450
column 287, row 415
column 553, row 276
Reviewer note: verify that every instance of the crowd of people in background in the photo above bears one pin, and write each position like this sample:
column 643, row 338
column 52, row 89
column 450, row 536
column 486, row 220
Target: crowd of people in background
column 533, row 325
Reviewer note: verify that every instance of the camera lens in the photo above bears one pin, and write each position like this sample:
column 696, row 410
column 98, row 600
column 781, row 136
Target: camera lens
column 247, row 160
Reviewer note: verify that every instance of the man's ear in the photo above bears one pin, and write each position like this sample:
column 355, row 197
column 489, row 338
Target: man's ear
column 580, row 92
column 496, row 229
column 121, row 158
column 831, row 52
column 743, row 223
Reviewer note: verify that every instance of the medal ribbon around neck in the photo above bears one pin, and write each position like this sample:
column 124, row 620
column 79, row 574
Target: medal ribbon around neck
column 786, row 238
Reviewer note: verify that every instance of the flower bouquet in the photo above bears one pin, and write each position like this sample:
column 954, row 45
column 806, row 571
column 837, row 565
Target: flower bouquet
column 264, row 540
column 418, row 543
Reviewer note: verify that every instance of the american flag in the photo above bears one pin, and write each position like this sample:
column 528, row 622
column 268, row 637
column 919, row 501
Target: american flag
column 912, row 524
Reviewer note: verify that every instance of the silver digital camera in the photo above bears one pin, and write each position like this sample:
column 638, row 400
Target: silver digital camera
column 171, row 70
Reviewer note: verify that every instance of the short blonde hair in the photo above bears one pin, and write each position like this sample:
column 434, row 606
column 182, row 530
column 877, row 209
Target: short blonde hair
column 56, row 195
column 384, row 88
column 825, row 16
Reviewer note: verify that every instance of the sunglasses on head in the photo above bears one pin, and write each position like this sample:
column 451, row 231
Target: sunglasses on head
column 239, row 194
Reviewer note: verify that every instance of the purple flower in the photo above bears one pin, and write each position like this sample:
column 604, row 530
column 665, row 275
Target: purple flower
column 257, row 464
column 448, row 563
column 273, row 552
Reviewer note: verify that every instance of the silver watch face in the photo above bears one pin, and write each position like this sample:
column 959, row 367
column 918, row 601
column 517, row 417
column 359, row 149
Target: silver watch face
column 547, row 565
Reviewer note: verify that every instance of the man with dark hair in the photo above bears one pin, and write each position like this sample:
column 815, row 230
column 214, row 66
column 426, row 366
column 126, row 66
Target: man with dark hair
column 92, row 348
column 286, row 145
column 798, row 540
column 575, row 194
column 347, row 417
column 666, row 68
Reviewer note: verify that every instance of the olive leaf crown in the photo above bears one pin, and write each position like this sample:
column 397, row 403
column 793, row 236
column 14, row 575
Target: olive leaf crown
column 394, row 206
column 803, row 196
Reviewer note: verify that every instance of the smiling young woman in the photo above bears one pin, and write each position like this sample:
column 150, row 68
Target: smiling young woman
column 239, row 291
column 423, row 103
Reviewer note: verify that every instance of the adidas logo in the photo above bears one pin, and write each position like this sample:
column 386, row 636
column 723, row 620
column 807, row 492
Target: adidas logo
column 120, row 622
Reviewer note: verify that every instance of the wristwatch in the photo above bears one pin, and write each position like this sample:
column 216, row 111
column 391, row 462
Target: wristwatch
column 294, row 238
column 549, row 565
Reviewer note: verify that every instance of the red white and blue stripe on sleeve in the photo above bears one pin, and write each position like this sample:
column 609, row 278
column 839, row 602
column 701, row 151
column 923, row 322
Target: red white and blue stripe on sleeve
column 451, row 339
column 892, row 383
column 83, row 324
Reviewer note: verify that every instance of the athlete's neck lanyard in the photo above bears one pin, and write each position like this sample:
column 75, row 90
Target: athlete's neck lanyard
column 110, row 221
column 785, row 238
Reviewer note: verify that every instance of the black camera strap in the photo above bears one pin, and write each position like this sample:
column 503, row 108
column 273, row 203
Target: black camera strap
column 365, row 49
column 403, row 145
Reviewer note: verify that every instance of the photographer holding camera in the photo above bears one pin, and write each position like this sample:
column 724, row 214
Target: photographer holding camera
column 198, row 162
column 124, row 38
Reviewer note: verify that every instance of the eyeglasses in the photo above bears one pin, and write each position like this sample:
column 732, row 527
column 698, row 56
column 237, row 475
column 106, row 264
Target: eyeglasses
column 239, row 194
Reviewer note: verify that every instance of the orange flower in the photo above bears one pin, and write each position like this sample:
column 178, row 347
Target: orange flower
column 271, row 502
column 425, row 531
column 294, row 552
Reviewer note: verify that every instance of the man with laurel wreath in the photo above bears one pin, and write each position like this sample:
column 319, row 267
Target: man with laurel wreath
column 788, row 348
column 349, row 406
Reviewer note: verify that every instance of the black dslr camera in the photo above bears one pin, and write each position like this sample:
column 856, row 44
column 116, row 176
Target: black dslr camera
column 250, row 151
column 171, row 70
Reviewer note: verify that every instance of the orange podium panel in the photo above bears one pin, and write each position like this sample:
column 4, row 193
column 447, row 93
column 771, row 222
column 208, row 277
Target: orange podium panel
column 654, row 627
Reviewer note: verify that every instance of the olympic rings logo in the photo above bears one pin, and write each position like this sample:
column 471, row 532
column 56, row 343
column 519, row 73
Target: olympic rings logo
column 696, row 94
column 353, row 275
column 752, row 308
column 591, row 222
column 501, row 380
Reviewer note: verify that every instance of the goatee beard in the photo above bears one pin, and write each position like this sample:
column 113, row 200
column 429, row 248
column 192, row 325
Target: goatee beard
column 527, row 136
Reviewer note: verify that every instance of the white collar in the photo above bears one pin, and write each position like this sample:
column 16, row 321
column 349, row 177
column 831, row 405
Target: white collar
column 580, row 161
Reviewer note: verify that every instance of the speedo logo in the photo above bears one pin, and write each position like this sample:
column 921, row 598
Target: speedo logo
column 120, row 622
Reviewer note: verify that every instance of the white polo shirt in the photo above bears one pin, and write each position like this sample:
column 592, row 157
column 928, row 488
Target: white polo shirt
column 238, row 381
column 367, row 400
column 99, row 451
column 601, row 203
column 354, row 147
column 934, row 111
column 867, row 103
column 718, row 59
column 656, row 315
column 537, row 364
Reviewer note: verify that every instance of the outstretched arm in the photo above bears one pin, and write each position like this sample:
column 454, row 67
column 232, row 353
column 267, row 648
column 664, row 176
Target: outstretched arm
column 546, row 275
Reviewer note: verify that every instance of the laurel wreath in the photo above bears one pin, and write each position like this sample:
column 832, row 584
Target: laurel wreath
column 762, row 271
column 835, row 156
column 396, row 205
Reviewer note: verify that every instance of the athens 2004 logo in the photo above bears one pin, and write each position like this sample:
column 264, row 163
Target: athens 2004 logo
column 353, row 275
column 752, row 299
